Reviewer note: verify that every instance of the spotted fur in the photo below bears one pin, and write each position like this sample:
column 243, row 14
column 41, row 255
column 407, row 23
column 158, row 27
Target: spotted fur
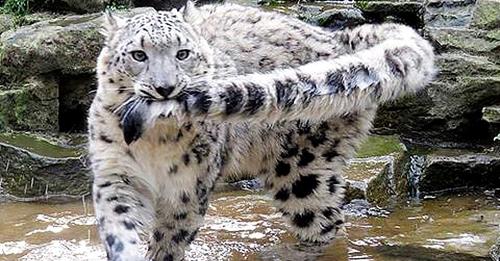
column 163, row 130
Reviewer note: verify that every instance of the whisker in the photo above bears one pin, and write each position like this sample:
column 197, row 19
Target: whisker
column 126, row 103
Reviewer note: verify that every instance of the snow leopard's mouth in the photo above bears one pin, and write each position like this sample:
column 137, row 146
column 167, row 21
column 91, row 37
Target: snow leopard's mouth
column 137, row 113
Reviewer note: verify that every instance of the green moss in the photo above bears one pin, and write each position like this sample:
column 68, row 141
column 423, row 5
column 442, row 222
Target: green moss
column 380, row 146
column 38, row 146
column 363, row 171
column 361, row 4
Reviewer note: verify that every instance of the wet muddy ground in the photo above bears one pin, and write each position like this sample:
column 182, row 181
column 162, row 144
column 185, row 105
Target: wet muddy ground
column 244, row 226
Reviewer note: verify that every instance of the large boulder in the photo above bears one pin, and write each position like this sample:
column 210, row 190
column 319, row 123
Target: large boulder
column 467, row 40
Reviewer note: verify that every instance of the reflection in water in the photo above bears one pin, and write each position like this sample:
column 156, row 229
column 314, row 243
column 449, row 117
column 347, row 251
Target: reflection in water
column 244, row 226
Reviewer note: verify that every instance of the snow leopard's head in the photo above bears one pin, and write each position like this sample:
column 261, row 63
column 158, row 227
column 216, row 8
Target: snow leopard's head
column 153, row 55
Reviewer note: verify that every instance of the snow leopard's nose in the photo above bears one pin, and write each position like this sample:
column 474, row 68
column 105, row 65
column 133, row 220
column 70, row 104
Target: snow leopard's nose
column 165, row 90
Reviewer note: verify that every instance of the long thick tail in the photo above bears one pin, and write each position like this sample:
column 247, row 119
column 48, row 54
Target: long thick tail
column 315, row 91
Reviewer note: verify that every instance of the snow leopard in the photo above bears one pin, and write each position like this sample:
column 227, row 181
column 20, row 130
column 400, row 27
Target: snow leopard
column 188, row 96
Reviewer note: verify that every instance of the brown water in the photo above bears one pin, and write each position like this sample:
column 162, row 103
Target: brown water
column 244, row 226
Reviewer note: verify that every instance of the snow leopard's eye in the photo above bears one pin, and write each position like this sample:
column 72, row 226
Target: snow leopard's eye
column 182, row 54
column 139, row 56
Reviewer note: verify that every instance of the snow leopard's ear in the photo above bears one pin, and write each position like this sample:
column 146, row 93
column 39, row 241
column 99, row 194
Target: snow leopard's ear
column 190, row 12
column 111, row 24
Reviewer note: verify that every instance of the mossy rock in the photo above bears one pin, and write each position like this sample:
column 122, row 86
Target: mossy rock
column 34, row 168
column 469, row 40
column 359, row 175
column 449, row 109
column 377, row 174
column 487, row 15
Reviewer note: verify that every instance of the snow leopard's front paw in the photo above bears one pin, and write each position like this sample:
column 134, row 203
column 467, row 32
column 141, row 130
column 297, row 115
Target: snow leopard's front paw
column 196, row 98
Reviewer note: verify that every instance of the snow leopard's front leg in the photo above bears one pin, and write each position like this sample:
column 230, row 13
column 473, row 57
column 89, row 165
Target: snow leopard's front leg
column 120, row 211
column 181, row 207
column 177, row 221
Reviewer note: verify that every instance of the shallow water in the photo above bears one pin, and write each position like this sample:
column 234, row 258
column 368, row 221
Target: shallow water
column 244, row 226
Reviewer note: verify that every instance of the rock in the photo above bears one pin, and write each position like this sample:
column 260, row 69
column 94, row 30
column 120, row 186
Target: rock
column 450, row 170
column 491, row 114
column 31, row 106
column 409, row 252
column 340, row 18
column 449, row 109
column 34, row 169
column 34, row 18
column 368, row 179
column 375, row 175
column 76, row 93
column 471, row 41
column 449, row 13
column 79, row 6
column 59, row 55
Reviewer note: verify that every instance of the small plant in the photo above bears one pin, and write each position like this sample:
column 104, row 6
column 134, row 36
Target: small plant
column 361, row 4
column 16, row 7
column 117, row 5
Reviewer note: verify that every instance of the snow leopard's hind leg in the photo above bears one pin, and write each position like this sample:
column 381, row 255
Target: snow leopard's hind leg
column 306, row 182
